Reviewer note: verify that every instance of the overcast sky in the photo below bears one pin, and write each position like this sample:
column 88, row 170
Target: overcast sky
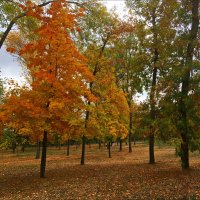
column 10, row 68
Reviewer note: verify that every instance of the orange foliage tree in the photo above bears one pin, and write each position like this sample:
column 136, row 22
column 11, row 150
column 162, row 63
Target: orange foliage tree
column 59, row 73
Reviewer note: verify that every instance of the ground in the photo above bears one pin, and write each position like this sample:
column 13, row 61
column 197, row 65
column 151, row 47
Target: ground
column 125, row 176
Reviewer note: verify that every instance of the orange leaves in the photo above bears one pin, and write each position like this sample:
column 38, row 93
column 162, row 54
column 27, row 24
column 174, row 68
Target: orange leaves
column 34, row 10
column 59, row 73
column 22, row 7
column 26, row 49
column 11, row 50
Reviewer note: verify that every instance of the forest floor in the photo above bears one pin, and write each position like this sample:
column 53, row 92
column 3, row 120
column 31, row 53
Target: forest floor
column 125, row 176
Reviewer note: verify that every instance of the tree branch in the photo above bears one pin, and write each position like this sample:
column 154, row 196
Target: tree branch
column 15, row 19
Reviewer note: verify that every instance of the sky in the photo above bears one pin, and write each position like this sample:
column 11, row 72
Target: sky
column 9, row 66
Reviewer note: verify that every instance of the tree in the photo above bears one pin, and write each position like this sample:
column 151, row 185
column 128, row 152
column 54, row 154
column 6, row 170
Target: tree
column 181, row 91
column 127, row 61
column 156, row 29
column 96, row 34
column 59, row 72
column 185, row 83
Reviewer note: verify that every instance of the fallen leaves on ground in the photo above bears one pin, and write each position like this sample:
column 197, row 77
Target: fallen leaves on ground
column 125, row 176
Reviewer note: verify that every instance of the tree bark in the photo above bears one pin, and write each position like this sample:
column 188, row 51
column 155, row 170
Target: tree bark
column 14, row 146
column 44, row 153
column 109, row 149
column 68, row 145
column 186, row 83
column 37, row 155
column 120, row 145
column 83, row 150
column 84, row 138
column 153, row 117
column 151, row 149
column 130, row 132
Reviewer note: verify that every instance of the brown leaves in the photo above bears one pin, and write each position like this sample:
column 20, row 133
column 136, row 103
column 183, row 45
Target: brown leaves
column 125, row 176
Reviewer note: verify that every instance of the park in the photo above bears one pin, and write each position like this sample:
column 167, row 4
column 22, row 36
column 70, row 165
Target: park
column 107, row 105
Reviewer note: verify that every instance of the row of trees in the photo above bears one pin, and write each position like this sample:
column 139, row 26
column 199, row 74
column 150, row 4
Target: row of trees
column 84, row 66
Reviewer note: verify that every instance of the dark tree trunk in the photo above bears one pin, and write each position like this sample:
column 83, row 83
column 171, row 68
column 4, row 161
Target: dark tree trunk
column 23, row 148
column 37, row 155
column 14, row 146
column 120, row 145
column 44, row 153
column 153, row 117
column 185, row 154
column 83, row 137
column 151, row 149
column 68, row 145
column 109, row 149
column 83, row 150
column 184, row 148
column 130, row 132
column 186, row 83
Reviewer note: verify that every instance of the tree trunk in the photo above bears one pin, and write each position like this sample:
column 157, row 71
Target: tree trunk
column 151, row 149
column 83, row 150
column 120, row 145
column 37, row 156
column 68, row 144
column 14, row 146
column 185, row 155
column 44, row 153
column 130, row 132
column 153, row 116
column 109, row 149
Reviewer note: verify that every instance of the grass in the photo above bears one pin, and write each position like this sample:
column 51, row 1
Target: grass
column 125, row 176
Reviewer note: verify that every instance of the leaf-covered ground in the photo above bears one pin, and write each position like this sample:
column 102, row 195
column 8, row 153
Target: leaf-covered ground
column 125, row 176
